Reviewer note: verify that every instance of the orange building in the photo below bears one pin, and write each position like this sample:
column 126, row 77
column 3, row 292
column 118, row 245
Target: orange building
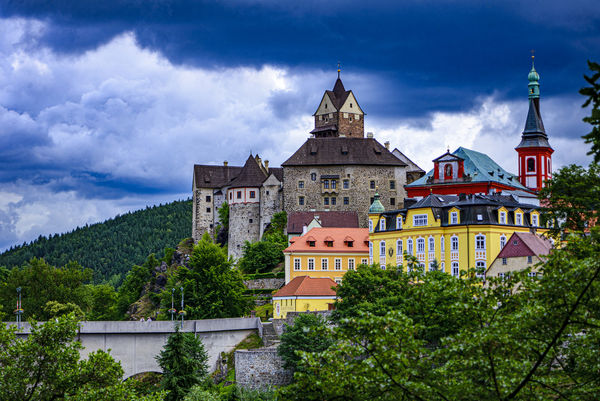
column 326, row 252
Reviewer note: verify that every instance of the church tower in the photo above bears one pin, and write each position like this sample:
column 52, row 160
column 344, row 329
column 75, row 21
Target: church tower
column 339, row 114
column 535, row 153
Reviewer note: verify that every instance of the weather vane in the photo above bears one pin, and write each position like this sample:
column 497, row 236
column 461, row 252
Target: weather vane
column 339, row 69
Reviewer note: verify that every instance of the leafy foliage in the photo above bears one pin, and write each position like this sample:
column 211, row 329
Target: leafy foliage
column 593, row 94
column 307, row 334
column 212, row 288
column 135, row 281
column 183, row 361
column 262, row 256
column 112, row 247
column 223, row 228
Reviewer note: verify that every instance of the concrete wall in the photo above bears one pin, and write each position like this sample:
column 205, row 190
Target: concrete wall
column 260, row 368
column 136, row 344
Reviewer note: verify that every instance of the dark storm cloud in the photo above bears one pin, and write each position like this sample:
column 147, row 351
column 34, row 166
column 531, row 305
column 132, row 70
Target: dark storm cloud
column 430, row 55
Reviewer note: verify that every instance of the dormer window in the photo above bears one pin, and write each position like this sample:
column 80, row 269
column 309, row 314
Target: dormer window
column 329, row 244
column 350, row 105
column 502, row 218
column 350, row 244
column 534, row 220
column 311, row 244
column 453, row 217
column 398, row 223
column 382, row 224
column 519, row 219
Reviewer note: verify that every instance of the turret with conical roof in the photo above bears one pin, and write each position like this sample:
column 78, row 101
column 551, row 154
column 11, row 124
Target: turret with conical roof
column 535, row 161
column 376, row 206
column 339, row 114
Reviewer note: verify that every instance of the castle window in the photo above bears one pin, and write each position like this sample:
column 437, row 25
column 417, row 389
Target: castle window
column 252, row 194
column 239, row 194
column 350, row 119
column 364, row 261
column 382, row 224
column 409, row 246
column 531, row 165
column 208, row 198
column 346, row 184
column 333, row 201
column 372, row 184
column 350, row 105
column 419, row 220
column 326, row 184
column 350, row 244
column 300, row 184
column 297, row 264
column 311, row 264
column 431, row 244
column 313, row 176
column 392, row 184
column 370, row 252
column 207, row 210
column 393, row 201
column 480, row 268
column 455, row 269
column 231, row 195
column 346, row 200
column 329, row 244
column 301, row 200
column 448, row 171
column 504, row 261
column 250, row 221
column 326, row 201
column 267, row 192
column 382, row 248
column 370, row 226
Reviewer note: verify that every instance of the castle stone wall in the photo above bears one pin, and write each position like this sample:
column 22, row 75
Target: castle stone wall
column 202, row 215
column 270, row 202
column 260, row 368
column 244, row 226
column 359, row 193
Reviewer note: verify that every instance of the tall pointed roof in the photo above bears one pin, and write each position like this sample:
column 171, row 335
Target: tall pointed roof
column 339, row 94
column 534, row 133
column 251, row 175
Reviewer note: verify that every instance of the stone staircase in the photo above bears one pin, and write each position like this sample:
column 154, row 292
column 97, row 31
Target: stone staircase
column 270, row 337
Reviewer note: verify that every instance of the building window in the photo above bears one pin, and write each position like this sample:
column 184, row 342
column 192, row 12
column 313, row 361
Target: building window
column 455, row 269
column 346, row 200
column 532, row 274
column 300, row 184
column 420, row 220
column 207, row 210
column 502, row 217
column 370, row 252
column 351, row 264
column 208, row 198
column 311, row 244
column 324, row 264
column 392, row 184
column 338, row 264
column 442, row 245
column 239, row 194
column 518, row 219
column 502, row 275
column 442, row 267
column 333, row 201
column 326, row 201
column 329, row 244
column 231, row 195
column 382, row 248
column 448, row 171
column 453, row 217
column 431, row 244
column 529, row 259
column 326, row 184
column 297, row 265
column 431, row 266
column 301, row 200
column 504, row 262
column 333, row 184
column 392, row 201
column 313, row 176
column 502, row 241
column 364, row 261
column 534, row 220
column 338, row 281
column 479, row 217
column 250, row 221
column 454, row 244
column 531, row 165
column 480, row 242
column 399, row 251
column 409, row 246
column 382, row 224
column 372, row 184
column 346, row 184
column 420, row 245
column 399, row 223
column 311, row 264
column 252, row 194
column 370, row 226
column 480, row 266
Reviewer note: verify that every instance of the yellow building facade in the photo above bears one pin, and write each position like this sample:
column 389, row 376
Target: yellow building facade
column 459, row 232
column 304, row 294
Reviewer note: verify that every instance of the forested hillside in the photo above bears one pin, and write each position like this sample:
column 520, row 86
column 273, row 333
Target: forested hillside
column 112, row 247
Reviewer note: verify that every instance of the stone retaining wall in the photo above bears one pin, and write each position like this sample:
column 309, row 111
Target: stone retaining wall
column 264, row 283
column 260, row 368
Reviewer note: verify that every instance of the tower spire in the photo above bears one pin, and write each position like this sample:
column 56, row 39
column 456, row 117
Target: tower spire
column 339, row 70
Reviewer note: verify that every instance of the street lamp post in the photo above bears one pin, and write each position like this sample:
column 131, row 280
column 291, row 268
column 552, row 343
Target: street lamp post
column 19, row 311
column 172, row 310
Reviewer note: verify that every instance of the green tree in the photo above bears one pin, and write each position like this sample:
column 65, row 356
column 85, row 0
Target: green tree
column 593, row 94
column 223, row 227
column 103, row 299
column 183, row 361
column 262, row 256
column 308, row 334
column 135, row 282
column 278, row 223
column 212, row 288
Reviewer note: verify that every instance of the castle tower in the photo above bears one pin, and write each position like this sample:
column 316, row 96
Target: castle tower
column 535, row 153
column 339, row 114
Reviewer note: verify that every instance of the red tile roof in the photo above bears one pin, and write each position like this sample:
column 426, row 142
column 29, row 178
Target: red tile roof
column 525, row 244
column 297, row 220
column 308, row 286
column 338, row 235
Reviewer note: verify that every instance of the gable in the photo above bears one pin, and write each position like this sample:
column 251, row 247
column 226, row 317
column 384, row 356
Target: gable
column 351, row 105
column 326, row 106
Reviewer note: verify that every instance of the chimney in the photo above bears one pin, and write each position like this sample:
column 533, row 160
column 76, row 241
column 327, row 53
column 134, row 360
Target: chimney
column 387, row 145
column 304, row 229
column 369, row 135
column 225, row 163
column 267, row 165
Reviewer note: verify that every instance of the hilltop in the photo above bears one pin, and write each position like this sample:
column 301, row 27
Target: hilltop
column 110, row 248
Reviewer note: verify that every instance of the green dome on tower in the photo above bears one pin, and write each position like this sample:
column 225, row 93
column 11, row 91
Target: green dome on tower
column 533, row 75
column 376, row 206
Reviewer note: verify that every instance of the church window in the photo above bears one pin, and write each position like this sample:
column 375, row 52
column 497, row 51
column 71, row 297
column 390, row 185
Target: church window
column 208, row 198
column 252, row 194
column 333, row 201
column 350, row 105
column 420, row 220
column 313, row 176
column 392, row 201
column 325, row 105
column 301, row 200
column 372, row 185
column 530, row 165
column 346, row 200
column 346, row 184
column 392, row 184
column 239, row 194
column 300, row 184
column 326, row 201
column 326, row 184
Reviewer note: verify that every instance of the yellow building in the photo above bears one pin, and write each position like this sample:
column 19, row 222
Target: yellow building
column 326, row 252
column 304, row 294
column 459, row 232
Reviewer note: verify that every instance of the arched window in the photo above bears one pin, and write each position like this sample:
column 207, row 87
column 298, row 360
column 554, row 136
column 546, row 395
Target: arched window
column 448, row 171
column 399, row 250
column 431, row 244
column 502, row 241
column 454, row 244
column 420, row 245
column 370, row 252
column 442, row 267
column 442, row 244
column 409, row 246
column 370, row 226
column 480, row 265
column 530, row 165
column 480, row 242
column 399, row 223
column 382, row 248
column 455, row 270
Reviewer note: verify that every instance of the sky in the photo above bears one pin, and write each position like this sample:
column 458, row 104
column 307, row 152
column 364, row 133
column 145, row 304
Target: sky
column 105, row 106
